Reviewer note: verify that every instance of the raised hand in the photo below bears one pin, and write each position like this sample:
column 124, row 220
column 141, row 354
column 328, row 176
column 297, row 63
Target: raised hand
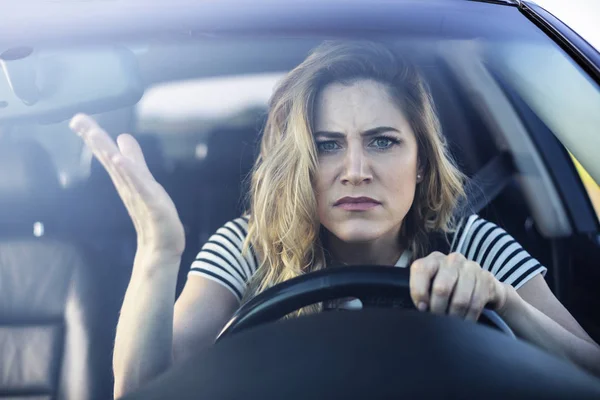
column 157, row 224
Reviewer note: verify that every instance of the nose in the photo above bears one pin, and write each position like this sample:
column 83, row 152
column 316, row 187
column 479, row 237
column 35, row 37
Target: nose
column 356, row 166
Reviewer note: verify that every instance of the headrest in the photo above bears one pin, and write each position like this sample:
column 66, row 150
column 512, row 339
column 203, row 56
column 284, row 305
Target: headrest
column 232, row 150
column 28, row 180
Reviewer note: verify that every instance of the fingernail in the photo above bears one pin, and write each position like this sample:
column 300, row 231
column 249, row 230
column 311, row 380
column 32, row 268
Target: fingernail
column 422, row 306
column 79, row 124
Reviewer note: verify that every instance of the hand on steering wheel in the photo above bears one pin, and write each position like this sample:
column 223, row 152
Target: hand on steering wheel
column 454, row 285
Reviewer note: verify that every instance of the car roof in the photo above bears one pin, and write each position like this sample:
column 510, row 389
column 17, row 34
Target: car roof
column 227, row 30
column 65, row 22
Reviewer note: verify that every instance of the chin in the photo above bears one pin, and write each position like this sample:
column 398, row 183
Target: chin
column 357, row 231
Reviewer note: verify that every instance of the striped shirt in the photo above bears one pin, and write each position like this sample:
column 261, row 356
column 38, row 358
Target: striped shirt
column 221, row 259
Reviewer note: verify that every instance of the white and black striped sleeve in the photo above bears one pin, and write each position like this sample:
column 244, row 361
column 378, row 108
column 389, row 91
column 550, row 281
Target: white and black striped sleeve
column 496, row 251
column 221, row 260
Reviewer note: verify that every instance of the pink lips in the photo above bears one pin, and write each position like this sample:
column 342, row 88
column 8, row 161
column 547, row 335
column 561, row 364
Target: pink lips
column 356, row 203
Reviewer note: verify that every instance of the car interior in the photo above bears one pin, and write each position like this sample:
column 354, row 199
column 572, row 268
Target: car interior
column 67, row 244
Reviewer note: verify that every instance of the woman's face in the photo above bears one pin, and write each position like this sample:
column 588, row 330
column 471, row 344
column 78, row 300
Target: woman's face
column 368, row 162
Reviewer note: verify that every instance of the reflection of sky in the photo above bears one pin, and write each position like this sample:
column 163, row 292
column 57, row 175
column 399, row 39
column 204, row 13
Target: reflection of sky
column 581, row 15
column 222, row 97
column 206, row 98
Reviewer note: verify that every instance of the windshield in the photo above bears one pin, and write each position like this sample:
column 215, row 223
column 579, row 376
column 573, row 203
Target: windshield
column 199, row 88
column 235, row 149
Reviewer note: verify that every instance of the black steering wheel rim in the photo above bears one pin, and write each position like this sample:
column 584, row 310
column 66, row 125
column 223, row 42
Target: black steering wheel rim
column 373, row 285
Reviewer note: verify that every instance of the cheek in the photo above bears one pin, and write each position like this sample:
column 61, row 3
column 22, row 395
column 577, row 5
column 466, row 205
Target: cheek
column 399, row 178
column 322, row 185
column 400, row 187
column 324, row 180
column 399, row 172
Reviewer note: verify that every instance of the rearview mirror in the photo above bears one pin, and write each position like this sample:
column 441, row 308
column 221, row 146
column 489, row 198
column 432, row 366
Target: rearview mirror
column 53, row 85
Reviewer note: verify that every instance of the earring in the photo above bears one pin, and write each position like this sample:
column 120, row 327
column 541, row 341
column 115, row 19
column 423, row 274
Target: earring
column 418, row 177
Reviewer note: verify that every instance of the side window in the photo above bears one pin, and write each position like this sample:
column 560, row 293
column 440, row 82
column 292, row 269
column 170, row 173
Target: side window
column 591, row 186
column 564, row 97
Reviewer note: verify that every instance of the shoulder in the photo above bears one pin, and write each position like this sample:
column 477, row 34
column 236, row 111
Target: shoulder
column 236, row 228
column 495, row 250
column 464, row 229
column 224, row 259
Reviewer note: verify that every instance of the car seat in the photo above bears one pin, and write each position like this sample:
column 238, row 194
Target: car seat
column 49, row 345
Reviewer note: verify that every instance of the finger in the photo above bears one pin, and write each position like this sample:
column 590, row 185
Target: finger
column 93, row 135
column 422, row 272
column 463, row 292
column 131, row 149
column 479, row 299
column 124, row 189
column 99, row 142
column 133, row 175
column 115, row 173
column 442, row 287
column 105, row 150
column 137, row 188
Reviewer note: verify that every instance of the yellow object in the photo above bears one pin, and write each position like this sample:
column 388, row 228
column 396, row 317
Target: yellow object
column 592, row 187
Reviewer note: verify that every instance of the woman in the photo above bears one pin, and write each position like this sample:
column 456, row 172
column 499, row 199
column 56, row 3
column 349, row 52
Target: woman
column 353, row 169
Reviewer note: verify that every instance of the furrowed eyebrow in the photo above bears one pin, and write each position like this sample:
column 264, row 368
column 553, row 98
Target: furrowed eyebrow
column 330, row 135
column 369, row 132
column 379, row 130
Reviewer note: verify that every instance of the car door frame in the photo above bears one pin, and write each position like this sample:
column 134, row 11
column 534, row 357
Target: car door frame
column 575, row 258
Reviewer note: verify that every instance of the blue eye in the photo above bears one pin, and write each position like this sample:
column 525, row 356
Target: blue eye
column 327, row 146
column 383, row 143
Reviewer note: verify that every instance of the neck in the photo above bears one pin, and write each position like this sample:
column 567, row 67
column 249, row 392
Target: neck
column 382, row 251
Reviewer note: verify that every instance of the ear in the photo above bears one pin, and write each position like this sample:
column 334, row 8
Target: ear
column 420, row 167
column 420, row 170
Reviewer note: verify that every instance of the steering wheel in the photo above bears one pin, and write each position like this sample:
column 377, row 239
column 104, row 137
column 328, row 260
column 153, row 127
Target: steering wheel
column 374, row 286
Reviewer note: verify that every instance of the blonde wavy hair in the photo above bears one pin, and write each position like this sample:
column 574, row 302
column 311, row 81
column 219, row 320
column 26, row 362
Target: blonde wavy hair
column 284, row 229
